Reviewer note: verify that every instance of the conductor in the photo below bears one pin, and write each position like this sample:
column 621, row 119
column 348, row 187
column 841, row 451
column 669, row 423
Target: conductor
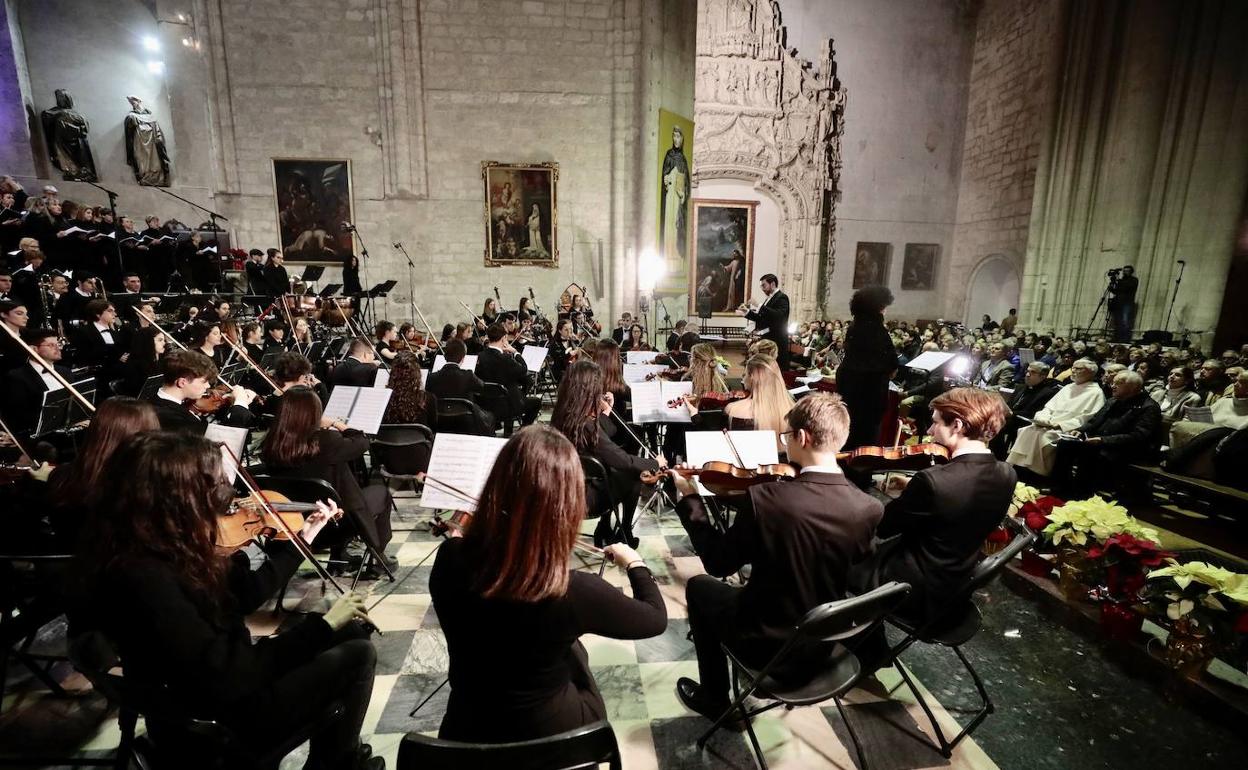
column 771, row 318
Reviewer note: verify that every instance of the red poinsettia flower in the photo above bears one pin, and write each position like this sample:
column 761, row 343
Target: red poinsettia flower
column 1146, row 552
column 999, row 535
column 1036, row 513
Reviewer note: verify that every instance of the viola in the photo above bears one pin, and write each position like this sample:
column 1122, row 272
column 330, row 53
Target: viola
column 452, row 526
column 728, row 480
column 716, row 400
column 914, row 457
column 247, row 520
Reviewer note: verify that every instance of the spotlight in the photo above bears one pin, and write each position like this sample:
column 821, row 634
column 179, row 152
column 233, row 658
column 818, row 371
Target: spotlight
column 182, row 17
column 959, row 366
column 150, row 43
column 155, row 67
column 186, row 41
column 650, row 268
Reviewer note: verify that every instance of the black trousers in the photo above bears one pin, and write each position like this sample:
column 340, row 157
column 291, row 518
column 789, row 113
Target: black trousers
column 712, row 619
column 343, row 672
column 866, row 399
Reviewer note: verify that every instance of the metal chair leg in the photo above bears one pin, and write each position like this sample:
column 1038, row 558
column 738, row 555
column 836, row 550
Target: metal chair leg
column 853, row 735
column 943, row 745
column 421, row 705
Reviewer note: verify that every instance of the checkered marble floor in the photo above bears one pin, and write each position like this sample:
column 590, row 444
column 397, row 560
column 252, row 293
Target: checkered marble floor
column 637, row 680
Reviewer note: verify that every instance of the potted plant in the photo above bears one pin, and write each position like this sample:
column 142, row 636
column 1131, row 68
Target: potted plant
column 1077, row 525
column 1204, row 604
column 1122, row 563
column 1033, row 508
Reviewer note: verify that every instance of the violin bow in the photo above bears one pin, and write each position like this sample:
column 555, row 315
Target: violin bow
column 304, row 549
column 733, row 446
column 247, row 359
column 432, row 341
column 151, row 320
column 35, row 464
column 50, row 369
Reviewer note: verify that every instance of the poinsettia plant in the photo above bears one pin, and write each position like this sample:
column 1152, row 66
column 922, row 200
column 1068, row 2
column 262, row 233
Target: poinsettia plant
column 1093, row 520
column 1124, row 561
column 1212, row 597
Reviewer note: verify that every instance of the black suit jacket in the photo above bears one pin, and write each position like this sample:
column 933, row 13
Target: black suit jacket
column 352, row 371
column 23, row 397
column 800, row 536
column 507, row 370
column 1127, row 428
column 179, row 419
column 90, row 349
column 939, row 523
column 774, row 317
column 1027, row 400
column 453, row 382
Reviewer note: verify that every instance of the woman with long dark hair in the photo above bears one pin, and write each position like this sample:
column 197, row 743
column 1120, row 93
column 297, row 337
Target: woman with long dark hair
column 636, row 339
column 298, row 445
column 869, row 362
column 155, row 582
column 385, row 335
column 206, row 339
column 147, row 345
column 410, row 402
column 508, row 578
column 581, row 407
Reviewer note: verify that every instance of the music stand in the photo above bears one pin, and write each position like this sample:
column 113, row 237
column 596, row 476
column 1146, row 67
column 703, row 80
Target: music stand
column 60, row 409
column 380, row 290
column 150, row 386
column 329, row 290
column 312, row 273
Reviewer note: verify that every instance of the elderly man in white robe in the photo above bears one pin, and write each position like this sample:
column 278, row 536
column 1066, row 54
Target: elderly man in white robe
column 1036, row 446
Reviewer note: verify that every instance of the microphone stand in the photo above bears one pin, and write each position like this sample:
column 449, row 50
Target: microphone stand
column 212, row 219
column 112, row 206
column 1175, row 295
column 411, row 285
column 667, row 320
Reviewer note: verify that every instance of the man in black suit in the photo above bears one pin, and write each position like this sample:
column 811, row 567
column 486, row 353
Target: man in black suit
column 500, row 364
column 1124, row 431
column 453, row 382
column 931, row 535
column 673, row 339
column 1036, row 391
column 800, row 537
column 24, row 386
column 254, row 268
column 186, row 375
column 359, row 368
column 771, row 319
column 97, row 343
column 69, row 306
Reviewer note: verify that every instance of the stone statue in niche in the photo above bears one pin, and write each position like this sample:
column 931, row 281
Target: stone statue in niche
column 145, row 146
column 65, row 131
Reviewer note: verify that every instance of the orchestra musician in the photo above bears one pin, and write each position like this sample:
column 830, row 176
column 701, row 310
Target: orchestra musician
column 359, row 368
column 254, row 269
column 300, row 445
column 276, row 279
column 868, row 364
column 386, row 335
column 489, row 314
column 673, row 338
column 69, row 306
column 274, row 335
column 561, row 347
column 508, row 577
column 174, row 608
column 800, row 537
column 582, row 407
column 24, row 386
column 410, row 402
column 769, row 400
column 931, row 535
column 621, row 327
column 97, row 343
column 147, row 345
column 582, row 317
column 206, row 338
column 499, row 363
column 14, row 316
column 185, row 376
column 452, row 381
column 636, row 339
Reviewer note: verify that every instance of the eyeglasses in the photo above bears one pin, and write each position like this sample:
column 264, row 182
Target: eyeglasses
column 784, row 436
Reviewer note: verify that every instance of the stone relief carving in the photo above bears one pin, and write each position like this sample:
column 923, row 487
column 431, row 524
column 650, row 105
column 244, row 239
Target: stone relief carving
column 763, row 115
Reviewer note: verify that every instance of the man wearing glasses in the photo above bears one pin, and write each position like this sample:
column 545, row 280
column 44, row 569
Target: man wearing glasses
column 25, row 385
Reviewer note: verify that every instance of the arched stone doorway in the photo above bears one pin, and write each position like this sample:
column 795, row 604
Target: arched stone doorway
column 994, row 289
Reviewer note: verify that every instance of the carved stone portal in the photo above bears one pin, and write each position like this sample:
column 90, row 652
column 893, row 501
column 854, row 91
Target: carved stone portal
column 762, row 115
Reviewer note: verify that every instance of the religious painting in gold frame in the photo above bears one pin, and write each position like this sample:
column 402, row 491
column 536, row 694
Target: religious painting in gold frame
column 521, row 213
column 723, row 249
column 314, row 199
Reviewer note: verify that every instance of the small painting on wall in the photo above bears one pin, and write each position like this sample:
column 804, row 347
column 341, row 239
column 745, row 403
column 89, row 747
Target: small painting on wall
column 719, row 278
column 313, row 200
column 918, row 267
column 871, row 263
column 521, row 213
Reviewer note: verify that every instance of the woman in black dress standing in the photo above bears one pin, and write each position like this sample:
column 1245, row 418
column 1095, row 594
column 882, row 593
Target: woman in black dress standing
column 508, row 579
column 869, row 363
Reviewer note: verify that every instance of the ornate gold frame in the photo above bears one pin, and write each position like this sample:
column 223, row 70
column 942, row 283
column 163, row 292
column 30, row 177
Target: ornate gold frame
column 551, row 168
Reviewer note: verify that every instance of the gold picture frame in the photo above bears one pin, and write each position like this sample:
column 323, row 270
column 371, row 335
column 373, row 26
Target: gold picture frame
column 308, row 195
column 521, row 213
column 717, row 281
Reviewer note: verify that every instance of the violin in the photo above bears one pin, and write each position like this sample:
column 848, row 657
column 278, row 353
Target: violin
column 716, row 400
column 727, row 480
column 216, row 398
column 452, row 526
column 247, row 520
column 914, row 457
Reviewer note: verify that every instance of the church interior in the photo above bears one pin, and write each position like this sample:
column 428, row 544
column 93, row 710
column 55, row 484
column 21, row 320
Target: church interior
column 896, row 341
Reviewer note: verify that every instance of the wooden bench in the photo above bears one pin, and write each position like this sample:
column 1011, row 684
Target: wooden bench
column 1208, row 492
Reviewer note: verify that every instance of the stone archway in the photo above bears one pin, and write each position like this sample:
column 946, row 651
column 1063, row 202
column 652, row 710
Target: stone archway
column 763, row 116
column 994, row 287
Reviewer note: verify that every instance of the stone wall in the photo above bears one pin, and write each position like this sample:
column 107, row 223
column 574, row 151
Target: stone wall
column 1012, row 85
column 416, row 93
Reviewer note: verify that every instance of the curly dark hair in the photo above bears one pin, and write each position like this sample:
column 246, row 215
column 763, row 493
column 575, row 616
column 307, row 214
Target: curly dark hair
column 870, row 300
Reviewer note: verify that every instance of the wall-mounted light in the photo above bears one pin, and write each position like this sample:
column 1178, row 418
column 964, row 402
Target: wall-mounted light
column 151, row 44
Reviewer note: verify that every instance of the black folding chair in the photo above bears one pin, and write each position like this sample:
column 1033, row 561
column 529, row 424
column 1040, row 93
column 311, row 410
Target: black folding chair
column 584, row 748
column 953, row 626
column 186, row 741
column 25, row 608
column 495, row 400
column 400, row 451
column 459, row 415
column 828, row 625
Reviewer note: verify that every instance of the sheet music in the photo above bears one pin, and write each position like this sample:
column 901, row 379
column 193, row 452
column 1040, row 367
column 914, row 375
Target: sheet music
column 799, row 390
column 469, row 364
column 637, row 372
column 650, row 401
column 932, row 359
column 234, row 440
column 1200, row 414
column 382, row 378
column 757, row 447
column 640, row 356
column 463, row 462
column 533, row 356
column 361, row 408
